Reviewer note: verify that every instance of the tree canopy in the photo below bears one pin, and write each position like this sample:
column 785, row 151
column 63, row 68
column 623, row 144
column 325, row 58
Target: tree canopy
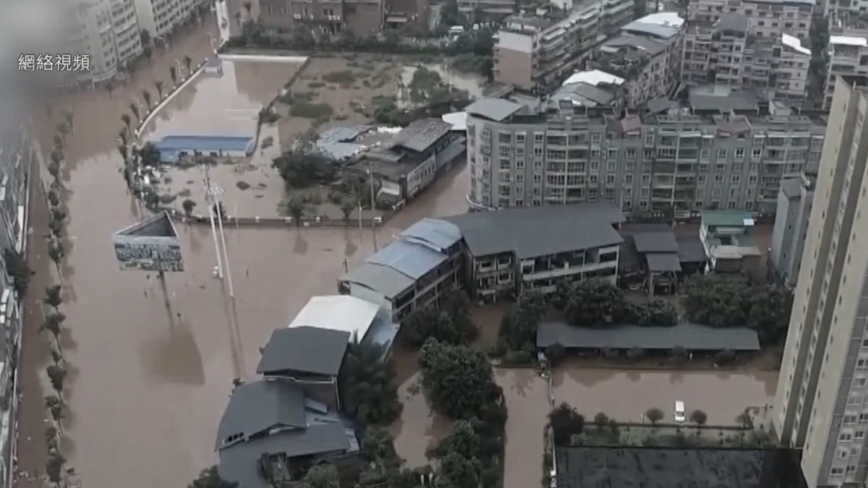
column 566, row 422
column 518, row 327
column 302, row 167
column 366, row 385
column 458, row 379
column 594, row 303
column 323, row 476
column 450, row 323
column 210, row 478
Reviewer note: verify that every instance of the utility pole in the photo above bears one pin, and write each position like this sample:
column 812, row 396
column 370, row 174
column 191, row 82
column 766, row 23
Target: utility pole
column 215, row 192
column 373, row 206
column 209, row 199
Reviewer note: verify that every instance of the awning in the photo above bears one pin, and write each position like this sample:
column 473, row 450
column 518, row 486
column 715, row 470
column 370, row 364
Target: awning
column 663, row 262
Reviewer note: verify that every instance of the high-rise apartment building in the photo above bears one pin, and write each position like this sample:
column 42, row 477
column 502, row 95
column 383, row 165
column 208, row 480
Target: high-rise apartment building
column 821, row 404
column 361, row 17
column 791, row 227
column 767, row 18
column 727, row 52
column 726, row 150
column 107, row 31
column 848, row 57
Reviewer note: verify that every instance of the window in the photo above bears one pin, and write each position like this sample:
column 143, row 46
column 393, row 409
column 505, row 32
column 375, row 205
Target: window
column 628, row 179
column 756, row 153
column 739, row 153
column 649, row 139
column 596, row 138
column 721, row 153
column 612, row 166
column 538, row 138
column 859, row 434
column 519, row 138
column 845, row 436
column 836, row 472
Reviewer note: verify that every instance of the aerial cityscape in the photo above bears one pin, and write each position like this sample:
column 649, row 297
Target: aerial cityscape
column 434, row 243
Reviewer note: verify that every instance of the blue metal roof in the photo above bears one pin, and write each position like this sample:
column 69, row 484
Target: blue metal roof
column 409, row 259
column 204, row 143
column 435, row 232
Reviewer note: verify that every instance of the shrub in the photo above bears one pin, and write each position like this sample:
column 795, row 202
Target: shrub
column 310, row 110
column 566, row 422
column 724, row 357
column 342, row 77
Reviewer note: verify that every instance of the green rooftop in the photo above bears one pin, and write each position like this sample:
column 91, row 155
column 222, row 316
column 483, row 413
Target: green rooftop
column 727, row 218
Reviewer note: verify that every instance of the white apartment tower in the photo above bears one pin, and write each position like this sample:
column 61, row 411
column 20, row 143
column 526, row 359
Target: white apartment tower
column 108, row 31
column 160, row 17
column 821, row 404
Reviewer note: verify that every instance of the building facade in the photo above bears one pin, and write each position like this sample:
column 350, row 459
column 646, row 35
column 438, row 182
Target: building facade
column 647, row 54
column 107, row 31
column 820, row 402
column 791, row 228
column 724, row 151
column 161, row 17
column 766, row 18
column 361, row 17
column 848, row 59
column 728, row 53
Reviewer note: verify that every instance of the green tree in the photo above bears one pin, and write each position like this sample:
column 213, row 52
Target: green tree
column 593, row 303
column 744, row 420
column 56, row 252
column 146, row 95
column 54, row 468
column 145, row 37
column 302, row 168
column 323, row 476
column 715, row 300
column 654, row 312
column 110, row 87
column 210, row 478
column 565, row 422
column 53, row 323
column 518, row 326
column 462, row 440
column 366, row 384
column 148, row 51
column 188, row 206
column 188, row 62
column 149, row 155
column 19, row 271
column 63, row 129
column 457, row 378
column 127, row 121
column 173, row 74
column 69, row 116
column 295, row 208
column 654, row 415
column 770, row 309
column 601, row 420
column 379, row 449
column 698, row 417
column 52, row 296
column 347, row 210
column 57, row 375
column 53, row 198
column 134, row 108
column 159, row 86
column 51, row 438
column 459, row 471
column 55, row 407
column 54, row 170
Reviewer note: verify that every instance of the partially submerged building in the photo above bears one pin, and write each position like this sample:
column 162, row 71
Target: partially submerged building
column 795, row 202
column 727, row 236
column 655, row 259
column 413, row 159
column 173, row 149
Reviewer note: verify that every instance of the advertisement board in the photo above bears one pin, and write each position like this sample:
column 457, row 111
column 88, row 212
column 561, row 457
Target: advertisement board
column 149, row 245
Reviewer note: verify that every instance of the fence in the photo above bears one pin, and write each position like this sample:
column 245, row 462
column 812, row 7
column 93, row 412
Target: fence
column 278, row 221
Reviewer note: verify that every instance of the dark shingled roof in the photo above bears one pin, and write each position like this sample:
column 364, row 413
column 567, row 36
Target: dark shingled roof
column 690, row 250
column 539, row 231
column 659, row 262
column 655, row 242
column 496, row 109
column 305, row 349
column 688, row 336
column 258, row 407
column 420, row 134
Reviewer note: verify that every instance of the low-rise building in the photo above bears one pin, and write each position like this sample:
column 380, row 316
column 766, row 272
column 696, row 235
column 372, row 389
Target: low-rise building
column 647, row 54
column 795, row 201
column 361, row 17
column 411, row 160
column 495, row 8
column 727, row 236
column 536, row 248
column 727, row 52
column 767, row 18
column 410, row 272
column 721, row 149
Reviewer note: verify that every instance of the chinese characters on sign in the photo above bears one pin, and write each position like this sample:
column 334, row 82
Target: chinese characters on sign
column 54, row 62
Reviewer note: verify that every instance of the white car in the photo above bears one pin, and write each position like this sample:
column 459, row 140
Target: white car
column 680, row 416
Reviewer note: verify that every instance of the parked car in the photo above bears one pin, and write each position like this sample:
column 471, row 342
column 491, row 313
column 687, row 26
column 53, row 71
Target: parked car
column 680, row 416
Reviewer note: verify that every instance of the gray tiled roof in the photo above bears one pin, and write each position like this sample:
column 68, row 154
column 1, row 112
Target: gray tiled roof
column 409, row 259
column 257, row 407
column 495, row 109
column 655, row 241
column 420, row 134
column 539, row 231
column 688, row 336
column 435, row 232
column 663, row 262
column 690, row 250
column 383, row 279
column 792, row 187
column 305, row 349
column 241, row 462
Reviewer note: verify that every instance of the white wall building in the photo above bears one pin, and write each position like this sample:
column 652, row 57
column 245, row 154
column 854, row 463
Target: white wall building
column 161, row 17
column 107, row 31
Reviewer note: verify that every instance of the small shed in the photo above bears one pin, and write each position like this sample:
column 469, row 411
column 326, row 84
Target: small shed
column 174, row 148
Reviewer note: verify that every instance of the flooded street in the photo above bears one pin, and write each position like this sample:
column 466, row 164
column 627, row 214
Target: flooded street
column 527, row 402
column 148, row 385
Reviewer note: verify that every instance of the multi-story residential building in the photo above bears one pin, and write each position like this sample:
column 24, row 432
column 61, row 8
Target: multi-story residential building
column 497, row 8
column 361, row 17
column 820, row 405
column 107, row 31
column 647, row 54
column 767, row 18
column 505, row 254
column 795, row 201
column 161, row 17
column 727, row 53
column 848, row 57
column 724, row 149
column 534, row 52
column 728, row 239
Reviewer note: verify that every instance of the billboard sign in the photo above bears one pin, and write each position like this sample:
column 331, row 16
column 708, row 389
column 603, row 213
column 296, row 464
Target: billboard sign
column 149, row 245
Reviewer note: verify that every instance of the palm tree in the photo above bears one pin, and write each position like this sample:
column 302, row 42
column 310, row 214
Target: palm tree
column 173, row 74
column 69, row 115
column 188, row 61
column 159, row 85
column 56, row 252
column 57, row 375
column 134, row 108
column 51, row 438
column 53, row 198
column 54, row 468
column 55, row 408
column 56, row 157
column 52, row 296
column 53, row 324
column 54, row 170
column 147, row 96
column 699, row 418
column 63, row 129
column 127, row 121
column 58, row 141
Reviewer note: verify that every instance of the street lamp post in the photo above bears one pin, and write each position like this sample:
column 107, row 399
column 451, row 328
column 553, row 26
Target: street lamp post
column 211, row 37
column 209, row 200
column 180, row 68
column 215, row 191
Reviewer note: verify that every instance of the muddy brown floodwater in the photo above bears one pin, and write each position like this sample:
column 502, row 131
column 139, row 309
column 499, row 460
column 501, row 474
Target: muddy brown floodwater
column 148, row 385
